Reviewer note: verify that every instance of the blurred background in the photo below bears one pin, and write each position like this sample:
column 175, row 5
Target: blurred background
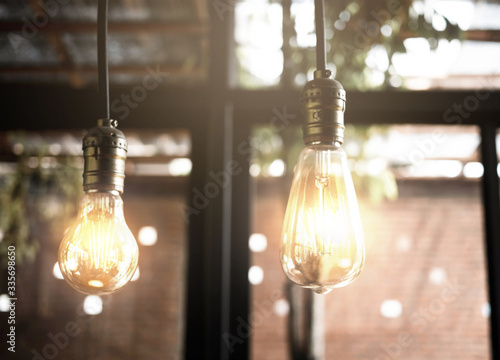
column 197, row 83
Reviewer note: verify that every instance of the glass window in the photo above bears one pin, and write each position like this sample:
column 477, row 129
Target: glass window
column 56, row 42
column 414, row 45
column 40, row 180
column 423, row 290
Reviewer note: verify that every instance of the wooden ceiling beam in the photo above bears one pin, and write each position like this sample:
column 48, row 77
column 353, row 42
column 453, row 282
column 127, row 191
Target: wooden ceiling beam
column 191, row 27
column 483, row 35
column 133, row 70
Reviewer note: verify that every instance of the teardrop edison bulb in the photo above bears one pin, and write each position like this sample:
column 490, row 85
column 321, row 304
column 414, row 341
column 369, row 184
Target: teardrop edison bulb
column 99, row 254
column 322, row 240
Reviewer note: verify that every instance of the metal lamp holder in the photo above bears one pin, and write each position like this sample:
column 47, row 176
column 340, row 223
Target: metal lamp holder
column 104, row 146
column 323, row 98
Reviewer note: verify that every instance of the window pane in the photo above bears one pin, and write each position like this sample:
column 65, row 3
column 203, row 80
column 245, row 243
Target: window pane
column 423, row 290
column 371, row 45
column 143, row 320
column 150, row 42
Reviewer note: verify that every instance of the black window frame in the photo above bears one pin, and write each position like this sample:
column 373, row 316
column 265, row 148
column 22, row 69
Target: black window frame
column 220, row 118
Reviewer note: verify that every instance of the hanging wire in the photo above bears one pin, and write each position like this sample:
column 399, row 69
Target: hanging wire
column 102, row 56
column 319, row 15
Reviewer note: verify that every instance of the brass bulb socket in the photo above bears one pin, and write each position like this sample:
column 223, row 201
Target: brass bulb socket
column 323, row 104
column 105, row 153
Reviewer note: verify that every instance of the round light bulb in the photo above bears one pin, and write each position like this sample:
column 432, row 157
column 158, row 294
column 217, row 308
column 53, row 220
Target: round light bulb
column 99, row 254
column 322, row 244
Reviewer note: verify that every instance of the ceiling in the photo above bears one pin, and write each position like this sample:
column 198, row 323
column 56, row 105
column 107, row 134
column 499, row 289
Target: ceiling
column 56, row 41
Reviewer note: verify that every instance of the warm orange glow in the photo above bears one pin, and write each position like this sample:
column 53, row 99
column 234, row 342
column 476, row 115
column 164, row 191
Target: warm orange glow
column 99, row 254
column 322, row 242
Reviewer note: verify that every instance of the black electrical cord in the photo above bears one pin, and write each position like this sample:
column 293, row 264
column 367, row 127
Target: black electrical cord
column 102, row 56
column 319, row 15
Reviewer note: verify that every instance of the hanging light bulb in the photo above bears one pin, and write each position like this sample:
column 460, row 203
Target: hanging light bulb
column 322, row 240
column 322, row 244
column 99, row 254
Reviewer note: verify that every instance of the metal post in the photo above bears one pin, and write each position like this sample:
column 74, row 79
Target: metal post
column 209, row 249
column 491, row 203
